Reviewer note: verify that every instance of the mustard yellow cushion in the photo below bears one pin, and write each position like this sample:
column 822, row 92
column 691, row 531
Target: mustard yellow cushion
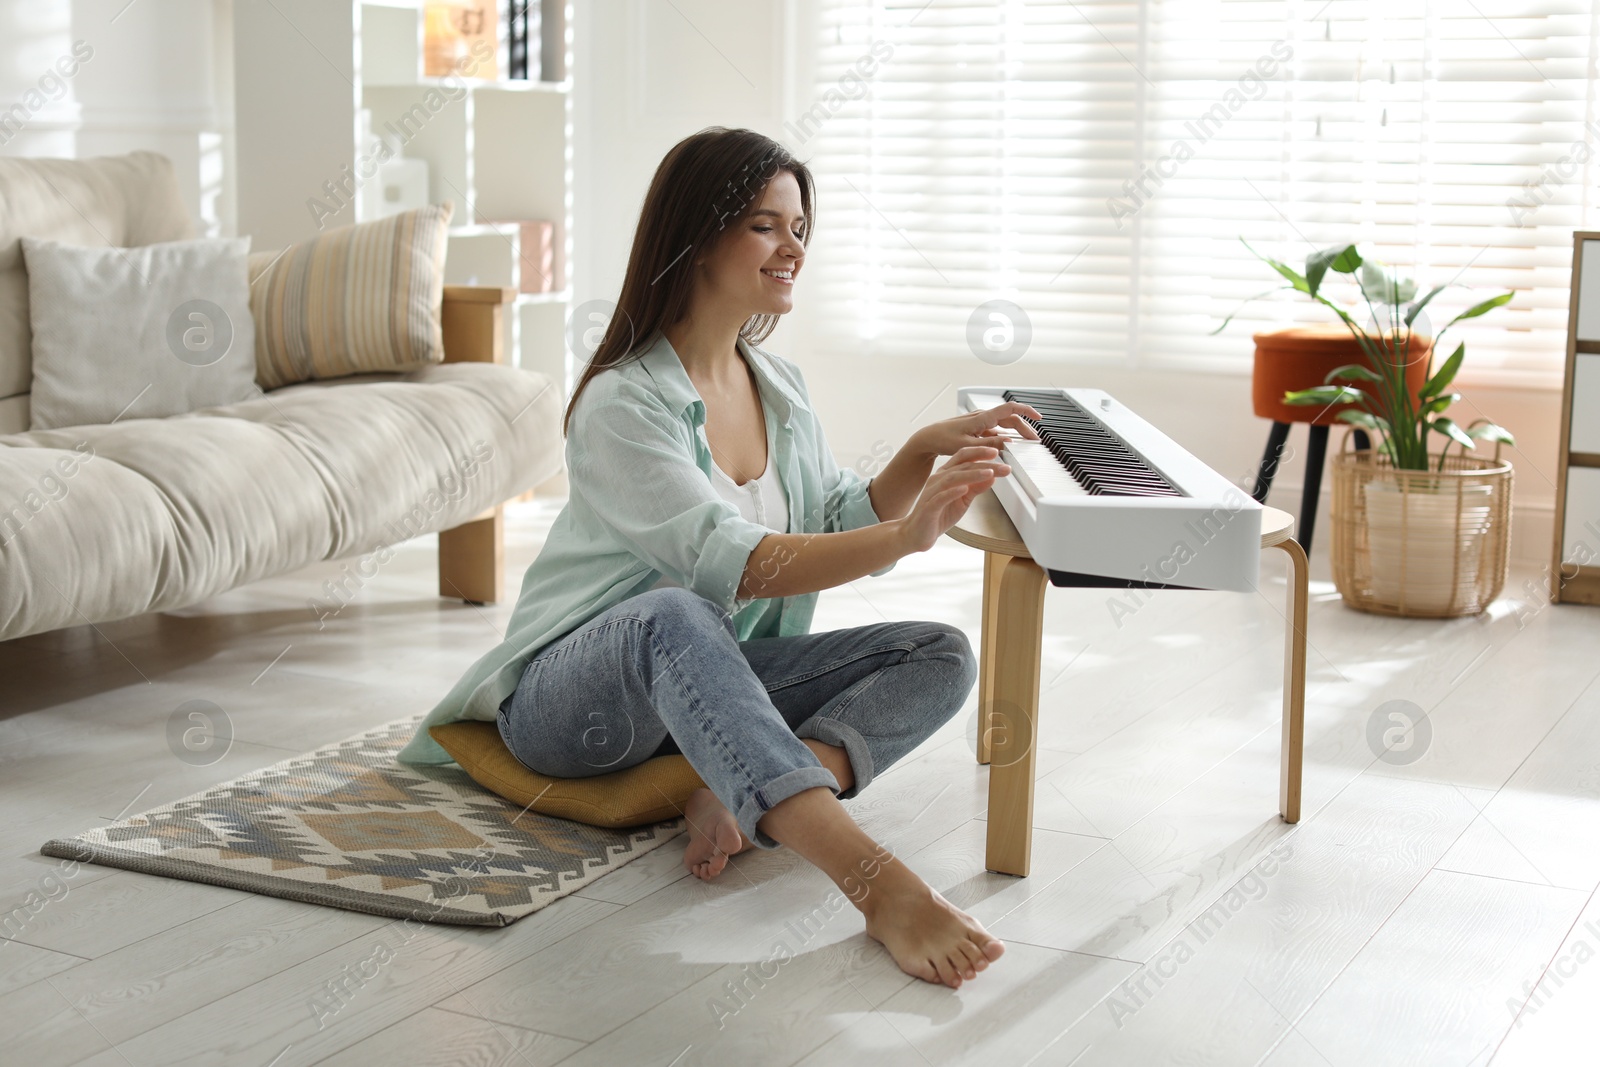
column 652, row 791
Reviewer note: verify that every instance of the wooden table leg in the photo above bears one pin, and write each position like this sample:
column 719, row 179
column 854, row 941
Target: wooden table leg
column 1014, row 715
column 993, row 564
column 1294, row 683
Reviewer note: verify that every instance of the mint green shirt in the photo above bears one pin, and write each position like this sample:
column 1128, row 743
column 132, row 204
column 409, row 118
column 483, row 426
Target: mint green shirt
column 641, row 506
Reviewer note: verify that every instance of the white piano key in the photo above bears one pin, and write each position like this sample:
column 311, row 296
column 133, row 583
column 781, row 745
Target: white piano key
column 1039, row 471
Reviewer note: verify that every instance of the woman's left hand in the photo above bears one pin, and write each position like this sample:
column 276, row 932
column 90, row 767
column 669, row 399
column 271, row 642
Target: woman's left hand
column 949, row 436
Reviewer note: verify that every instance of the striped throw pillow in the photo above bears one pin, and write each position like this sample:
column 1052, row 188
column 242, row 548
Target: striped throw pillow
column 357, row 299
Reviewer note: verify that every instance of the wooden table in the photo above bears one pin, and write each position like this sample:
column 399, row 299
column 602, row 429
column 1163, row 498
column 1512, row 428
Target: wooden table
column 1008, row 673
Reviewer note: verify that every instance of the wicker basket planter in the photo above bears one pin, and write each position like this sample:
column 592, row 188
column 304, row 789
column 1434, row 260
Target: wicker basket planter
column 1427, row 544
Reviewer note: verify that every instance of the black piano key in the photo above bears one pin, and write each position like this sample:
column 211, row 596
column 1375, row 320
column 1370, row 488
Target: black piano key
column 1091, row 453
column 1119, row 472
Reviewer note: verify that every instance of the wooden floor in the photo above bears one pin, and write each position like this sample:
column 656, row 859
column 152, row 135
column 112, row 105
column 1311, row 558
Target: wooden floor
column 1436, row 906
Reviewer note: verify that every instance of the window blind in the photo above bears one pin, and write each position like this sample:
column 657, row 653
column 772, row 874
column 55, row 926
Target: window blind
column 1097, row 164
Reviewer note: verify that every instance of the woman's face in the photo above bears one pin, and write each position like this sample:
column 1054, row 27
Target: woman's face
column 753, row 268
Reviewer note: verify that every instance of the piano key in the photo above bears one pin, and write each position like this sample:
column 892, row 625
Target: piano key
column 1037, row 468
column 1096, row 460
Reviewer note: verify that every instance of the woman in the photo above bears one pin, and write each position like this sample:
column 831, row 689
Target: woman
column 669, row 609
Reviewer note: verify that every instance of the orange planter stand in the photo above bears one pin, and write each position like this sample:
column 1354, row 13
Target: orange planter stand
column 1299, row 358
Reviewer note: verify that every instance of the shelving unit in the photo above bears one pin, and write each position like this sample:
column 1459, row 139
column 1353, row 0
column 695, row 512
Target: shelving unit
column 498, row 150
column 1576, row 563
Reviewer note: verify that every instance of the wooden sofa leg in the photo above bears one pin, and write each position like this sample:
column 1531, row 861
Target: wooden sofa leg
column 472, row 559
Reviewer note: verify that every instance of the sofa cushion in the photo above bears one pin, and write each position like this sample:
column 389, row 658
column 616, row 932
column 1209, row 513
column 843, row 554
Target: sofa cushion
column 139, row 332
column 105, row 201
column 153, row 514
column 359, row 298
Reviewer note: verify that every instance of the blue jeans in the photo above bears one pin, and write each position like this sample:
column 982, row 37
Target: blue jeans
column 663, row 672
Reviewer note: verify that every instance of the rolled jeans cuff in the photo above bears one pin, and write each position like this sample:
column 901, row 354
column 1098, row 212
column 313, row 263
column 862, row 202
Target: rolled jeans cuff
column 834, row 732
column 774, row 793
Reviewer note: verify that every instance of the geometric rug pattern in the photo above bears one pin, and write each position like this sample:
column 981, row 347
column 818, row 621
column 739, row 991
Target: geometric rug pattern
column 349, row 827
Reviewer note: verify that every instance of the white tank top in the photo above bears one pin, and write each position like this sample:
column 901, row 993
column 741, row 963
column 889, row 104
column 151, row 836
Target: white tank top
column 760, row 500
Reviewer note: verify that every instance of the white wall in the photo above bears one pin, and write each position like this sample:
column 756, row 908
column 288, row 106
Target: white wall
column 151, row 81
column 646, row 75
column 649, row 73
column 38, row 106
column 152, row 84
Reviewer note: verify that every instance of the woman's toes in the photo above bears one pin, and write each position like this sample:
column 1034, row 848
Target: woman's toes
column 975, row 957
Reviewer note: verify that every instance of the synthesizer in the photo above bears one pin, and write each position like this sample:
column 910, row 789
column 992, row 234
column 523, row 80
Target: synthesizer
column 1106, row 499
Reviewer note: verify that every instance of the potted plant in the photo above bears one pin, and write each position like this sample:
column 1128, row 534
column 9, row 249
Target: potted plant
column 1414, row 532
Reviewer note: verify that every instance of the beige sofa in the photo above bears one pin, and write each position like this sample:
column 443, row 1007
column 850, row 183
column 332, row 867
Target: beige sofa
column 107, row 521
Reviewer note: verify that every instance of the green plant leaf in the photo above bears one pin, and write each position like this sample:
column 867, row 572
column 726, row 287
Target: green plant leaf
column 1479, row 309
column 1382, row 287
column 1354, row 370
column 1324, row 394
column 1365, row 419
column 1438, row 404
column 1416, row 309
column 1491, row 432
column 1448, row 427
column 1445, row 375
column 1342, row 258
column 1296, row 279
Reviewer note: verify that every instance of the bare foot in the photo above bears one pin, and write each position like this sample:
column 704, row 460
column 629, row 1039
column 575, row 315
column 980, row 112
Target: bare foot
column 714, row 835
column 929, row 937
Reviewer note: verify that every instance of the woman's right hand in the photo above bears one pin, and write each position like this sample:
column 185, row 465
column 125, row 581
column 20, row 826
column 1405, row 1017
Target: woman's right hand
column 948, row 492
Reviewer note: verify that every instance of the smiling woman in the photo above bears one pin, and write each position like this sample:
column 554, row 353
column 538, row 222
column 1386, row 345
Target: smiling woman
column 669, row 610
column 707, row 185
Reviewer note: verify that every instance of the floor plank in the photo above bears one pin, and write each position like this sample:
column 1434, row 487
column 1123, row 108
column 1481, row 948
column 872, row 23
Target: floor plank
column 1128, row 899
column 434, row 1038
column 42, row 1029
column 326, row 1004
column 1021, row 1005
column 1485, row 727
column 664, row 944
column 22, row 965
column 1223, row 989
column 1427, row 994
column 1544, row 824
column 770, row 1008
column 1551, row 1007
column 203, row 960
column 110, row 913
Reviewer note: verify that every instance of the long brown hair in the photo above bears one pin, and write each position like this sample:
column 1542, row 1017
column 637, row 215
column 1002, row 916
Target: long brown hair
column 709, row 182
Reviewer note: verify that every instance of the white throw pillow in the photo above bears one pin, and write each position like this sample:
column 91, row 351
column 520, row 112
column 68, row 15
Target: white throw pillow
column 139, row 332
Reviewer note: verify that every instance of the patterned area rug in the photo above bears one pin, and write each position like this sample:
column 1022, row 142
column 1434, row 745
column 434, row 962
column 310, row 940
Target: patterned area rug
column 349, row 827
